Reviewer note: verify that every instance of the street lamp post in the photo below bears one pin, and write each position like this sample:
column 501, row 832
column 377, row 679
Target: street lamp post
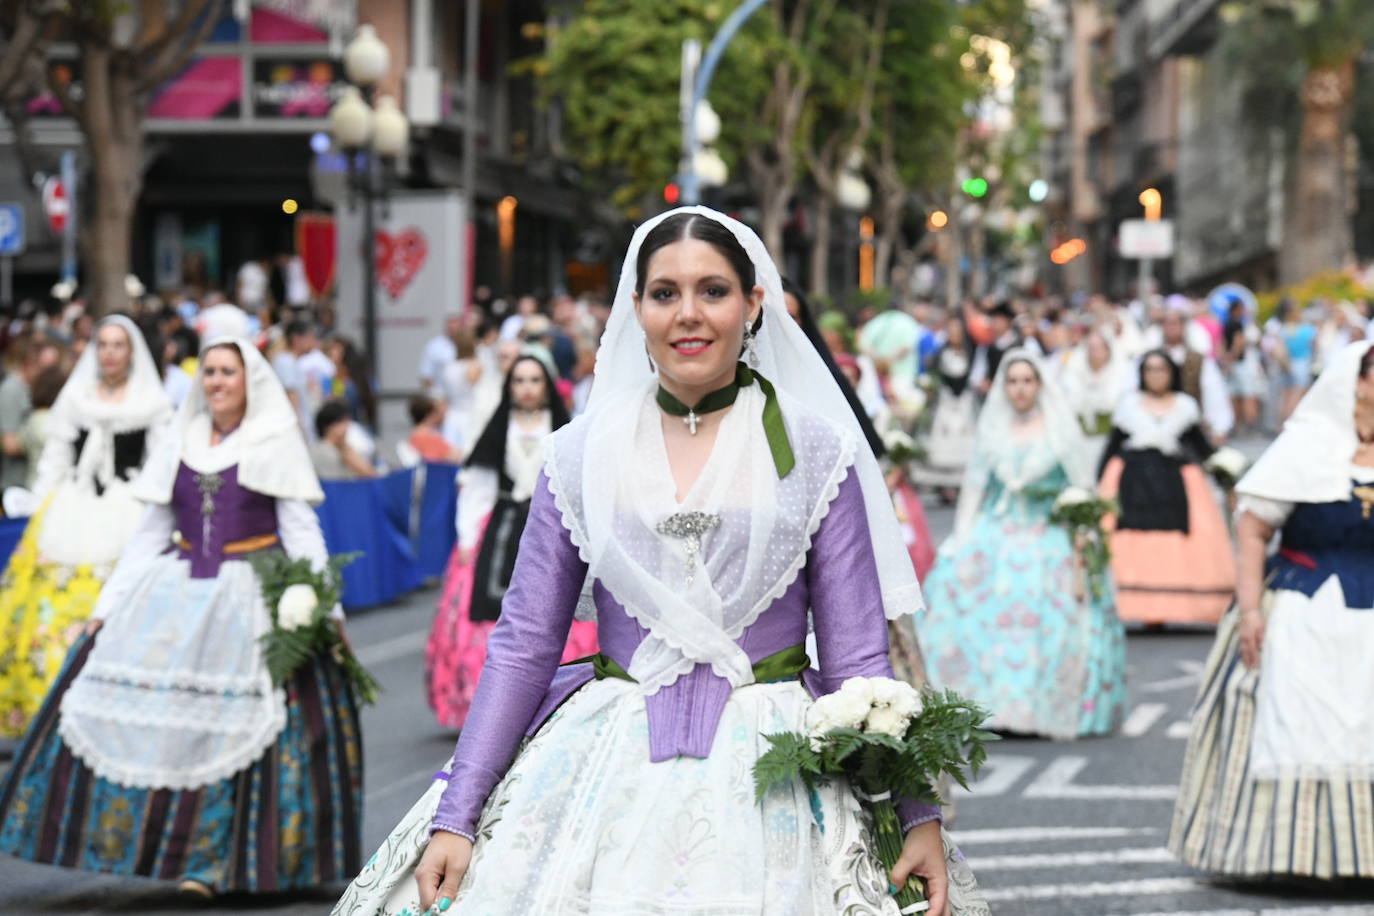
column 696, row 80
column 367, row 134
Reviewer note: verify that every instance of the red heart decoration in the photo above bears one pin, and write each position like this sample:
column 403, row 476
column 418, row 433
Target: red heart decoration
column 399, row 259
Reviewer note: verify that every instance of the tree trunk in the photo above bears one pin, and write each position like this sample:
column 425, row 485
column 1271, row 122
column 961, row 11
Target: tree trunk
column 774, row 196
column 952, row 254
column 116, row 178
column 1318, row 232
column 820, row 246
column 891, row 203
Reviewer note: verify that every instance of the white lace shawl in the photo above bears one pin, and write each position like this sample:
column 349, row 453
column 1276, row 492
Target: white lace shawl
column 609, row 475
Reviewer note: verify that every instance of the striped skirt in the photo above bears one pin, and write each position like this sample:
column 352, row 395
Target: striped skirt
column 291, row 820
column 1229, row 822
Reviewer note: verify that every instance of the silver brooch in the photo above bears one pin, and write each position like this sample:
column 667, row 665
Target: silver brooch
column 691, row 527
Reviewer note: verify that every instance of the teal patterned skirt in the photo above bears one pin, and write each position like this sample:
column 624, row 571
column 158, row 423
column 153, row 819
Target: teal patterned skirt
column 291, row 820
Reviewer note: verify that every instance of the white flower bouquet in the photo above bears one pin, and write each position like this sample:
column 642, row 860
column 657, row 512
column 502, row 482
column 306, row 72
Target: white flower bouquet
column 1082, row 511
column 1227, row 465
column 299, row 599
column 887, row 739
column 901, row 448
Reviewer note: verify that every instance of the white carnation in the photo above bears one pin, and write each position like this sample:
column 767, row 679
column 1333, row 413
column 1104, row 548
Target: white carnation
column 899, row 695
column 845, row 708
column 1073, row 496
column 887, row 720
column 1228, row 461
column 296, row 607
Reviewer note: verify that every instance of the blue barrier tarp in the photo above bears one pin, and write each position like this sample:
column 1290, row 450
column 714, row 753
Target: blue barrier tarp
column 436, row 534
column 11, row 530
column 372, row 517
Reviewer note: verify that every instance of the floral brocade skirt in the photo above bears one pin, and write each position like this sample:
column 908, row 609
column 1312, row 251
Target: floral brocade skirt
column 457, row 646
column 292, row 819
column 43, row 607
column 584, row 823
column 1006, row 627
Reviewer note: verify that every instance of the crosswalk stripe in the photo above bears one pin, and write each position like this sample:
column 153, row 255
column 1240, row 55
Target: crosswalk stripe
column 1179, row 730
column 1142, row 855
column 966, row 838
column 1136, row 888
column 1056, row 781
column 1143, row 718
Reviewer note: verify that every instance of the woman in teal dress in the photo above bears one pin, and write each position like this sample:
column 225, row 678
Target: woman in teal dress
column 1012, row 622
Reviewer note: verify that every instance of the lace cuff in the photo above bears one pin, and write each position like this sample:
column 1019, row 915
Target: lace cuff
column 434, row 828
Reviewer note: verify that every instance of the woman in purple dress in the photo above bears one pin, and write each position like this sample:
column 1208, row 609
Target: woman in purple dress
column 164, row 749
column 710, row 495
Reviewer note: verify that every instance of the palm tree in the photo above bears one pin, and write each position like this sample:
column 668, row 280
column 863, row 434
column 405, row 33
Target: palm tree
column 1298, row 59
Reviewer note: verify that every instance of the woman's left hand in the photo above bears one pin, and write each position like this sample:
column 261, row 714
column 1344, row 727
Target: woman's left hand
column 923, row 855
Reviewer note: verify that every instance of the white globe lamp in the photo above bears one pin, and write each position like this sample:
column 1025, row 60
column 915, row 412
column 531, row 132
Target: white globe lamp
column 366, row 59
column 390, row 129
column 350, row 119
column 852, row 192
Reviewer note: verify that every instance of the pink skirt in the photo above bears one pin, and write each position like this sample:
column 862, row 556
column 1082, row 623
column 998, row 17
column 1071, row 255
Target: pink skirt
column 457, row 645
column 1170, row 576
column 913, row 517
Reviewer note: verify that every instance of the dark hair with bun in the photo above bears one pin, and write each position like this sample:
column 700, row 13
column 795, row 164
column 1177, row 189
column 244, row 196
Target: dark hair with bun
column 703, row 229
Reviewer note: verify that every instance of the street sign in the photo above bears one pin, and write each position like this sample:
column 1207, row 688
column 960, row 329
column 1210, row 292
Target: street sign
column 11, row 229
column 56, row 204
column 1152, row 239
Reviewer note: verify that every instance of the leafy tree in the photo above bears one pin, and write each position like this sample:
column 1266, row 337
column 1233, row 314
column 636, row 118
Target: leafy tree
column 127, row 50
column 1298, row 61
column 615, row 68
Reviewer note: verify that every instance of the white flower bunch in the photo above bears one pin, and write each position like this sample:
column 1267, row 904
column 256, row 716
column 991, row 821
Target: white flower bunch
column 1073, row 496
column 1228, row 462
column 296, row 607
column 896, row 440
column 879, row 705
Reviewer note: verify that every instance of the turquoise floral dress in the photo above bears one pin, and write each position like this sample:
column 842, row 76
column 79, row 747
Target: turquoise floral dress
column 1011, row 623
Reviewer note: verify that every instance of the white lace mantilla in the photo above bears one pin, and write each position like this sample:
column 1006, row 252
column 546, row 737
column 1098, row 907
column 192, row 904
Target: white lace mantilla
column 612, row 498
column 174, row 694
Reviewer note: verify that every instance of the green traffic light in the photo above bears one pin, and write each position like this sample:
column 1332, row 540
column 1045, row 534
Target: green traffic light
column 975, row 187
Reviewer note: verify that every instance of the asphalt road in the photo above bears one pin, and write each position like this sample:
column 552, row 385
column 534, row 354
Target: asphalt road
column 1072, row 828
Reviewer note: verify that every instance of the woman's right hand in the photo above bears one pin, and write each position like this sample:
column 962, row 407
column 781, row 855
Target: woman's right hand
column 441, row 870
column 1251, row 638
column 93, row 625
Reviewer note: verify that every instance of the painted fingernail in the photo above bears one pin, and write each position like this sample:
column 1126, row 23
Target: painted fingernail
column 892, row 888
column 444, row 904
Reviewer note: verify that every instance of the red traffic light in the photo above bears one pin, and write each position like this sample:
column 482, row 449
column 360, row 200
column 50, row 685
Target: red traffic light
column 671, row 193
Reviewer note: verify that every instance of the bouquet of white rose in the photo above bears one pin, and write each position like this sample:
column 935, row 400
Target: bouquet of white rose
column 299, row 599
column 1227, row 465
column 901, row 448
column 1082, row 512
column 889, row 740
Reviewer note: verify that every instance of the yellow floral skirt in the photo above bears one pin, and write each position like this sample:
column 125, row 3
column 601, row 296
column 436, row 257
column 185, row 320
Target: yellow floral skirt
column 43, row 608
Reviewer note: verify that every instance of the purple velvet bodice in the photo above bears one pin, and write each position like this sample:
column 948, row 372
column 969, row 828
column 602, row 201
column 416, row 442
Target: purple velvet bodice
column 521, row 682
column 235, row 515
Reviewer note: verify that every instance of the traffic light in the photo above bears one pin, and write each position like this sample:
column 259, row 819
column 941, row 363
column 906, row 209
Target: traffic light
column 671, row 192
column 975, row 187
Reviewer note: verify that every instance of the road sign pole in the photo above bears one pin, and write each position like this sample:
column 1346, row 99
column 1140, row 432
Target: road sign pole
column 7, row 281
column 1147, row 279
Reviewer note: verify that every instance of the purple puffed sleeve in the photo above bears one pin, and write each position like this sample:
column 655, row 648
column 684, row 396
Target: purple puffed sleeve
column 847, row 604
column 522, row 656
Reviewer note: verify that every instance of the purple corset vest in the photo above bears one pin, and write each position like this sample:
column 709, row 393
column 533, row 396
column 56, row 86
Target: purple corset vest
column 213, row 510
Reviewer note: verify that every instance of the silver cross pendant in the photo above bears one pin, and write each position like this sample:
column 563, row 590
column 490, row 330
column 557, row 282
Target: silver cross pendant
column 692, row 420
